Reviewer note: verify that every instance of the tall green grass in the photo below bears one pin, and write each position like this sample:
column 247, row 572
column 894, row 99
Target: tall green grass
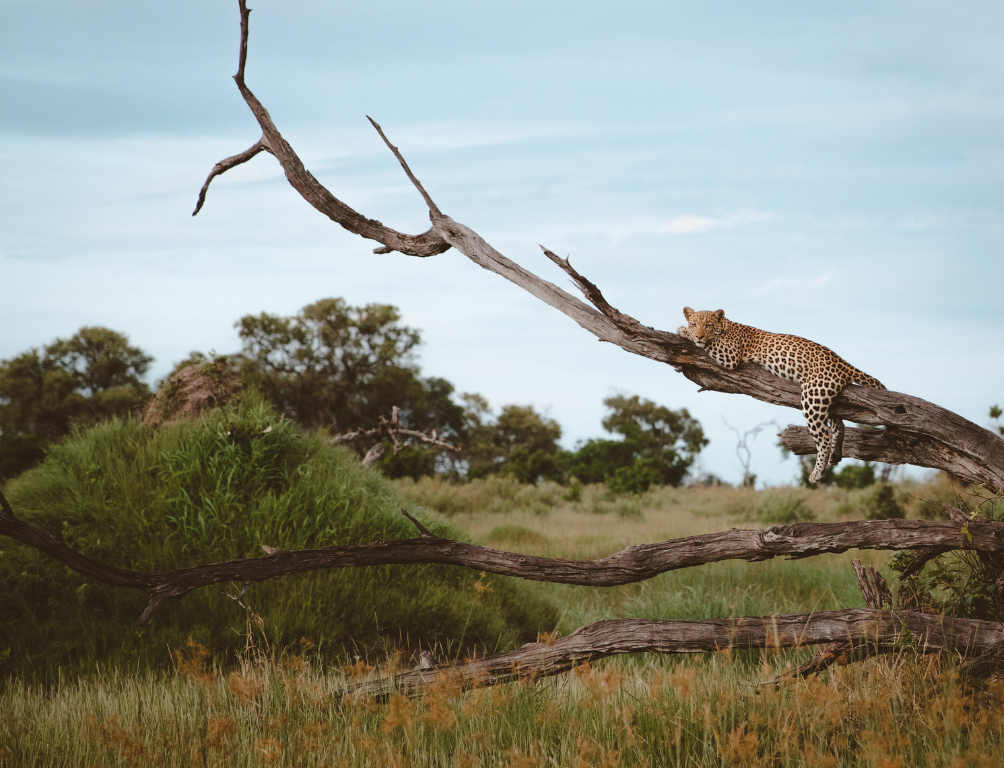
column 213, row 490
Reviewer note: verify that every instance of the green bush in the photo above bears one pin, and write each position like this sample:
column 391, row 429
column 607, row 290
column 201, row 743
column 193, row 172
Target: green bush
column 961, row 582
column 781, row 507
column 199, row 492
column 855, row 476
column 637, row 478
column 882, row 504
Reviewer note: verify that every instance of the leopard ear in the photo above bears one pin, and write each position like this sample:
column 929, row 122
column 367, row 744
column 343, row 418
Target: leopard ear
column 688, row 313
column 720, row 314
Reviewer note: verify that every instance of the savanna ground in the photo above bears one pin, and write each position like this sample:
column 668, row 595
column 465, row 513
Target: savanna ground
column 285, row 707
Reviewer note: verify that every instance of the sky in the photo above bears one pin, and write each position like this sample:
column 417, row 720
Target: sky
column 835, row 171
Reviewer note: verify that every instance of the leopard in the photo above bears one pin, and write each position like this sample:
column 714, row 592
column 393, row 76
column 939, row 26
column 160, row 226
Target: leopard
column 822, row 373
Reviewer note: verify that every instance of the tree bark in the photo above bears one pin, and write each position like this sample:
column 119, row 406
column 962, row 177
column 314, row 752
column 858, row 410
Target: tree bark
column 916, row 432
column 630, row 565
column 859, row 628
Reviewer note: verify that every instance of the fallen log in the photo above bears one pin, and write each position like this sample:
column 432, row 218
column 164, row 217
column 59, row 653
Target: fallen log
column 633, row 564
column 868, row 629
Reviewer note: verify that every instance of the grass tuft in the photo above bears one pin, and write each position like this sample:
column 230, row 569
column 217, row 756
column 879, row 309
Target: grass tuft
column 217, row 489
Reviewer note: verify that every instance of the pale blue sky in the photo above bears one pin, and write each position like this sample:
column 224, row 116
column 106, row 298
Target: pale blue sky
column 833, row 171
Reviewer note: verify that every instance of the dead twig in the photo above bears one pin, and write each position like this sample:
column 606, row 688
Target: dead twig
column 391, row 429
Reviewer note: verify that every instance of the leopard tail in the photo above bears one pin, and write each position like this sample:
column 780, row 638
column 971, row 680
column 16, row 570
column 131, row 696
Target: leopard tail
column 862, row 378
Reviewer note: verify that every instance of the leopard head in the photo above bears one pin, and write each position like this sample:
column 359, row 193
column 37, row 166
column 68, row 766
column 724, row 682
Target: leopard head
column 704, row 326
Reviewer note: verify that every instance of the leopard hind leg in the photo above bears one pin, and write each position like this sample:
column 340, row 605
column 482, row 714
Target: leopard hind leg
column 816, row 408
column 836, row 441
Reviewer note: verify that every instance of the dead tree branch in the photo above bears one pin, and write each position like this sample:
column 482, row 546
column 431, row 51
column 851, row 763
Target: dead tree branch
column 877, row 595
column 743, row 452
column 859, row 628
column 916, row 432
column 391, row 429
column 630, row 565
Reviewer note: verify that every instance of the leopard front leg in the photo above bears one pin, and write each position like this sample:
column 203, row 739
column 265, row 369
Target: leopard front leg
column 816, row 408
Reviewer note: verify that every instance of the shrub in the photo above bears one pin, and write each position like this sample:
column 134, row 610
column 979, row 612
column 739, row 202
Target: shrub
column 960, row 582
column 783, row 507
column 882, row 504
column 501, row 493
column 216, row 489
column 855, row 476
column 637, row 478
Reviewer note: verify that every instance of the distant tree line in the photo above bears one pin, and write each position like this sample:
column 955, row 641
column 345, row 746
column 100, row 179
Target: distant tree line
column 335, row 368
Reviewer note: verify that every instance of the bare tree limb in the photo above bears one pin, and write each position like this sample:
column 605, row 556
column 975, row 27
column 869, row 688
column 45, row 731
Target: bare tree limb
column 426, row 244
column 860, row 628
column 917, row 432
column 743, row 452
column 876, row 594
column 630, row 565
column 393, row 430
column 898, row 444
column 225, row 165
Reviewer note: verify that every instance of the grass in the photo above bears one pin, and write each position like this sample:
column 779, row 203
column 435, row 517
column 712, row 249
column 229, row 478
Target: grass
column 704, row 710
column 198, row 492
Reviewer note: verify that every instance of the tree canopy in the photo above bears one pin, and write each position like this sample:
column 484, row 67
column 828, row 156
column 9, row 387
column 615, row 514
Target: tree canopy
column 91, row 376
column 657, row 446
column 336, row 368
column 339, row 368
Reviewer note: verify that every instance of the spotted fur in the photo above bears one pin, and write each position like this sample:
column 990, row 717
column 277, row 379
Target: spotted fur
column 821, row 372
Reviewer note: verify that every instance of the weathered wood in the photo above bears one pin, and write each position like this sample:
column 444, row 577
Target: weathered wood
column 863, row 628
column 630, row 565
column 391, row 429
column 876, row 593
column 951, row 443
column 917, row 432
column 426, row 244
column 872, row 585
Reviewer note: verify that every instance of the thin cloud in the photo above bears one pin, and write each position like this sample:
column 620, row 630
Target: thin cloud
column 691, row 224
column 798, row 283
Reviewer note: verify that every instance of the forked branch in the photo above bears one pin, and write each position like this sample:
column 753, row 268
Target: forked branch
column 392, row 430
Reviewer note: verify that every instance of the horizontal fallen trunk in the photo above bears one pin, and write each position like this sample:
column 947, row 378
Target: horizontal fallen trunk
column 630, row 565
column 871, row 629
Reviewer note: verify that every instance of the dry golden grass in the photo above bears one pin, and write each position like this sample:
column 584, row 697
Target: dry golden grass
column 704, row 711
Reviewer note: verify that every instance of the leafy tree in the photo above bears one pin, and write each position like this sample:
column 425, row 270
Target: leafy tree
column 93, row 375
column 855, row 476
column 995, row 415
column 339, row 368
column 657, row 446
column 520, row 442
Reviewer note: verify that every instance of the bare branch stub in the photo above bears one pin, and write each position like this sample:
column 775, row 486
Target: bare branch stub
column 426, row 533
column 433, row 208
column 225, row 165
